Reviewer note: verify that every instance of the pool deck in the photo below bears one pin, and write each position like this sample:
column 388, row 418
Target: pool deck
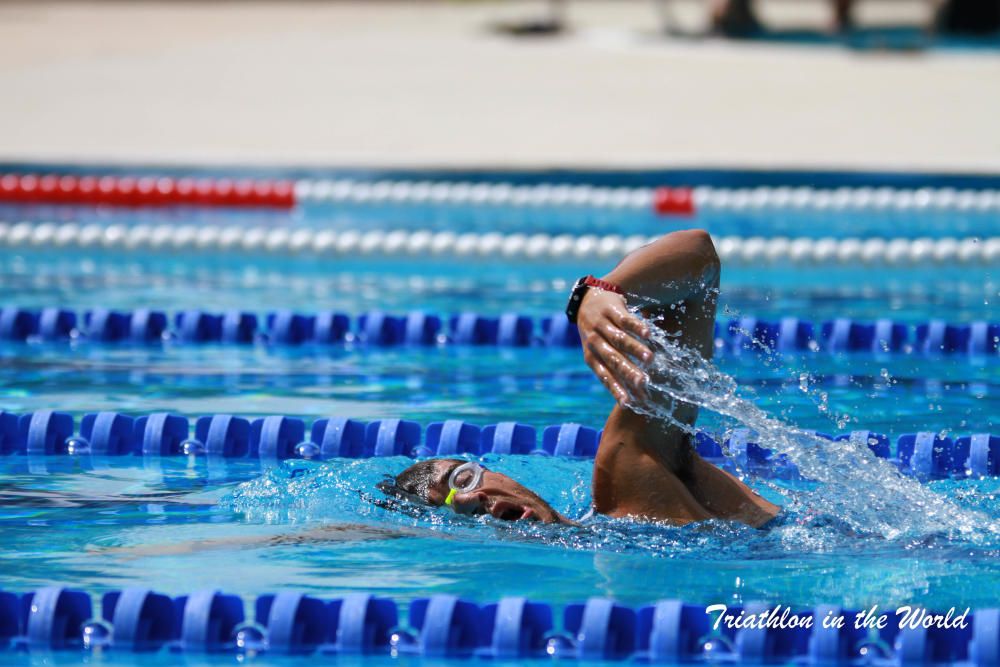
column 387, row 84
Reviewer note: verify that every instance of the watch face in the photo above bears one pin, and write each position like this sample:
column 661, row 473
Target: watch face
column 575, row 297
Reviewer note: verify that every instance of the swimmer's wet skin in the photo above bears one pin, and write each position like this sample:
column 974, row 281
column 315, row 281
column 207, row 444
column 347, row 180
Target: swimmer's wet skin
column 645, row 469
column 495, row 494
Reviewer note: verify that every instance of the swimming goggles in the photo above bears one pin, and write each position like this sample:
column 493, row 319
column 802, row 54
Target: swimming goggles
column 464, row 479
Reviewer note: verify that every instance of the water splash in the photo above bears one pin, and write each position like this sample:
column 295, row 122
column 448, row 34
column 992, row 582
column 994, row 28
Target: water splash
column 854, row 486
column 851, row 492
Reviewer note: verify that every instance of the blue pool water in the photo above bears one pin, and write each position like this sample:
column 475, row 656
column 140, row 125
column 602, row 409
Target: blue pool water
column 247, row 528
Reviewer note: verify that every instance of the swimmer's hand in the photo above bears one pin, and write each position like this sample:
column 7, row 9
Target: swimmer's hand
column 608, row 332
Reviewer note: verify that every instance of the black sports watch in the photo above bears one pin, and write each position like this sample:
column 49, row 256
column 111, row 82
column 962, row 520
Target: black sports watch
column 580, row 289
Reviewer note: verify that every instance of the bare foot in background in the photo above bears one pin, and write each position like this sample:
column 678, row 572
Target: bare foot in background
column 843, row 15
column 734, row 18
column 553, row 24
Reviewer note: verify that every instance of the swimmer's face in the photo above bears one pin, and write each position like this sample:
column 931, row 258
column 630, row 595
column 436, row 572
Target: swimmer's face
column 498, row 495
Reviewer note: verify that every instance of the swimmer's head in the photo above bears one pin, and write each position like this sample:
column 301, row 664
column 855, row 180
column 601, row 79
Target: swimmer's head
column 496, row 494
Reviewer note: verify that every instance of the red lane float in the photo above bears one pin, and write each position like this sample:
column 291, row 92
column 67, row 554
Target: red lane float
column 128, row 191
column 673, row 201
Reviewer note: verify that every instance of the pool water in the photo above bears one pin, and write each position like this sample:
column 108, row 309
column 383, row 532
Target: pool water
column 483, row 386
column 244, row 527
column 308, row 531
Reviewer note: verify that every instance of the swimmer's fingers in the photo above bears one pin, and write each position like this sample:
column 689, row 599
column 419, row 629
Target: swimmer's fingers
column 626, row 321
column 621, row 316
column 608, row 333
column 625, row 343
column 608, row 380
column 624, row 371
column 610, row 350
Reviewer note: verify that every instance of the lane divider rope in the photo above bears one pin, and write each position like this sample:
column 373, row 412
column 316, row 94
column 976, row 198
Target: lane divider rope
column 43, row 433
column 663, row 200
column 512, row 628
column 420, row 328
column 158, row 191
column 129, row 191
column 755, row 252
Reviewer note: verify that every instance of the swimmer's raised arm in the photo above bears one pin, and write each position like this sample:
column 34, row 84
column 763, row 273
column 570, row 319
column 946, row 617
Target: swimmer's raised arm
column 648, row 467
column 680, row 270
column 645, row 467
column 673, row 268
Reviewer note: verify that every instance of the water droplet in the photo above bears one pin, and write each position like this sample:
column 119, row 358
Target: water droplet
column 558, row 645
column 307, row 450
column 845, row 473
column 249, row 636
column 96, row 635
column 77, row 445
column 192, row 447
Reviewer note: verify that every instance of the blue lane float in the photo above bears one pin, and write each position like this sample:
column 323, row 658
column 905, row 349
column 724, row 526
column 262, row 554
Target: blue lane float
column 508, row 438
column 224, row 436
column 418, row 328
column 194, row 326
column 146, row 326
column 294, row 622
column 53, row 617
column 159, row 434
column 107, row 326
column 55, row 324
column 276, row 437
column 142, row 620
column 336, row 437
column 671, row 630
column 518, row 628
column 113, row 435
column 392, row 437
column 208, row 621
column 362, row 623
column 599, row 630
column 570, row 440
column 44, row 432
column 108, row 433
column 451, row 438
column 445, row 626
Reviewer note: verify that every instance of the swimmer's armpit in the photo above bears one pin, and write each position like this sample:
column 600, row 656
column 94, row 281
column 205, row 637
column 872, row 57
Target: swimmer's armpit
column 340, row 532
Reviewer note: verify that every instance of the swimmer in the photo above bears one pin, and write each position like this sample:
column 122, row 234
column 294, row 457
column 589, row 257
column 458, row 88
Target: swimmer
column 645, row 469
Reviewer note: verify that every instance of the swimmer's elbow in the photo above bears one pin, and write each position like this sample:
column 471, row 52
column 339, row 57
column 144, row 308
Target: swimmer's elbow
column 691, row 243
column 695, row 251
column 703, row 246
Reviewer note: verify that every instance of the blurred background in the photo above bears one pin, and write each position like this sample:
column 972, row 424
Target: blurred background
column 904, row 84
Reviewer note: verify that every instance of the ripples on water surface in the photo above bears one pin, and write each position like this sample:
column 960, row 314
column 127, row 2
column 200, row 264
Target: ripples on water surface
column 538, row 386
column 354, row 285
column 864, row 536
column 858, row 532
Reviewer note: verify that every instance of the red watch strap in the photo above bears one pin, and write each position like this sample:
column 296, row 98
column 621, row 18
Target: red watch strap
column 591, row 281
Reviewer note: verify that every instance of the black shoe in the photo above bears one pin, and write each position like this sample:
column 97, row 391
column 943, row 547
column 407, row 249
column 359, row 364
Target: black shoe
column 539, row 28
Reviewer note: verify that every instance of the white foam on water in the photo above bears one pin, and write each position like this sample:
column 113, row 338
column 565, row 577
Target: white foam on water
column 869, row 494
